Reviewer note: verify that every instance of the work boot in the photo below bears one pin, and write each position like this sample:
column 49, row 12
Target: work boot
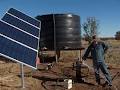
column 106, row 83
column 98, row 81
column 110, row 85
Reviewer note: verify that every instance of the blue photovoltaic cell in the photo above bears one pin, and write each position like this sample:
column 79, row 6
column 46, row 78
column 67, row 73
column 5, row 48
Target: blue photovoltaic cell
column 19, row 38
column 20, row 24
column 17, row 51
column 18, row 35
column 24, row 17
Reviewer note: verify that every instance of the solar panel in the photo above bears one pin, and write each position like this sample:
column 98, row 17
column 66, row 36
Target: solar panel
column 16, row 51
column 19, row 37
column 21, row 24
column 23, row 16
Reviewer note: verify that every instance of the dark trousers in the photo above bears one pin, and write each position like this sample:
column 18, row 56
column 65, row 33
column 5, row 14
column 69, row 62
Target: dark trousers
column 103, row 67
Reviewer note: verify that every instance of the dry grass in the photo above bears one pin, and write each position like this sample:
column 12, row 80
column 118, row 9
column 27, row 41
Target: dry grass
column 69, row 54
column 113, row 54
column 114, row 43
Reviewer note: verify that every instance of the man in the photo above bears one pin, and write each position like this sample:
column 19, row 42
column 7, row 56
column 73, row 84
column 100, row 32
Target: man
column 98, row 49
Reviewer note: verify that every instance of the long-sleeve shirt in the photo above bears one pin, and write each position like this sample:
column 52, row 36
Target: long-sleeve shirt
column 97, row 51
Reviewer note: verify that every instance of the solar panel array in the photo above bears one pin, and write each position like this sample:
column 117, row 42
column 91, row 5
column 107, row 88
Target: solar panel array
column 19, row 37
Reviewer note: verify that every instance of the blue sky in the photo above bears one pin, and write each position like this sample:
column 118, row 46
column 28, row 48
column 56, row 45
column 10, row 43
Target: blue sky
column 107, row 12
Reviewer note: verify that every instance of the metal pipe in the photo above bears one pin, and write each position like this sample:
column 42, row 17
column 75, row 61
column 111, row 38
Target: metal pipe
column 55, row 38
column 22, row 76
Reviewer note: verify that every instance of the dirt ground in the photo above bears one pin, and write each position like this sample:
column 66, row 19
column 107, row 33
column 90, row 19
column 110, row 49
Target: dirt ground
column 51, row 79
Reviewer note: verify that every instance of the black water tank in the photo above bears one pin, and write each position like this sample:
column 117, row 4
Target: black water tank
column 67, row 31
